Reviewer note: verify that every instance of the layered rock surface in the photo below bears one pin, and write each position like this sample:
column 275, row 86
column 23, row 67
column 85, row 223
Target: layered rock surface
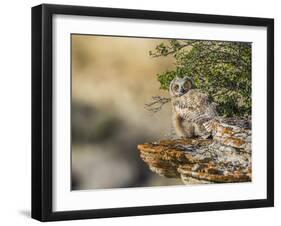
column 224, row 158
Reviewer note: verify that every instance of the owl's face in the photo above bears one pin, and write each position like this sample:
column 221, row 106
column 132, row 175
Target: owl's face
column 180, row 86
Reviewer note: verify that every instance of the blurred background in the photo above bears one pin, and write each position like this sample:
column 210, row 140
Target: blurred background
column 112, row 80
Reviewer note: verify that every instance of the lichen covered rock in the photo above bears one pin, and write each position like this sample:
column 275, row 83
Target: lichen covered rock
column 199, row 160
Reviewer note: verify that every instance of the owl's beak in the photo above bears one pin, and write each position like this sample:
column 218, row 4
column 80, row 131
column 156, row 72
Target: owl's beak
column 182, row 91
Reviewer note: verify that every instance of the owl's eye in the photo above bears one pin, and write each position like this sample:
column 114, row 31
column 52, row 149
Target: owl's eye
column 186, row 85
column 176, row 87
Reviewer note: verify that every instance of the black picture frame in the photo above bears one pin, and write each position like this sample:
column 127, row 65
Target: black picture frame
column 42, row 107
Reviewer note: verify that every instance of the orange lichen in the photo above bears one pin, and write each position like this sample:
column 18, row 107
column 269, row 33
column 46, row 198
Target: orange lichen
column 194, row 161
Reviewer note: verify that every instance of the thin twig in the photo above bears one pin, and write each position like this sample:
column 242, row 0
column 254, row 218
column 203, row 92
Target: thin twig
column 157, row 103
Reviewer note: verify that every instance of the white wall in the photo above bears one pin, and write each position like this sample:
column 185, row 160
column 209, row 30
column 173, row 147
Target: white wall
column 15, row 111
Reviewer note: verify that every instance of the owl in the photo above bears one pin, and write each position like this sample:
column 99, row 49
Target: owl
column 192, row 109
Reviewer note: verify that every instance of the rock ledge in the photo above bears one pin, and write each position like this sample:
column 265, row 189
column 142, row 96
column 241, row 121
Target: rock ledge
column 198, row 160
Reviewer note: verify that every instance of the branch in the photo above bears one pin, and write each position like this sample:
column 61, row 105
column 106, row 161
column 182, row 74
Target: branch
column 157, row 103
column 171, row 49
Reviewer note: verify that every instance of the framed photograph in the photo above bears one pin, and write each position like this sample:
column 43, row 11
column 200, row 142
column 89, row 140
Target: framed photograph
column 145, row 112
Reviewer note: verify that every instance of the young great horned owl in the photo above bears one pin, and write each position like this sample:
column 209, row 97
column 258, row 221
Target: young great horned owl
column 192, row 109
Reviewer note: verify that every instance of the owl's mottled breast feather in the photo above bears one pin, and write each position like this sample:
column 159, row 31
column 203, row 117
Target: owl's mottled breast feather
column 194, row 106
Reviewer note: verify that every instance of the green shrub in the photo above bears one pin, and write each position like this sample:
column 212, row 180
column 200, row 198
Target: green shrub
column 221, row 69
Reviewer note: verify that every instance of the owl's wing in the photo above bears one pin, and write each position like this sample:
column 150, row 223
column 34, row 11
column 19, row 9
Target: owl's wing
column 195, row 106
